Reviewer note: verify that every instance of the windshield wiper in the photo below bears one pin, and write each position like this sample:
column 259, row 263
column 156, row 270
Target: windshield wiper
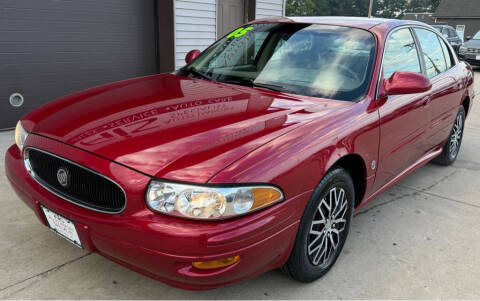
column 198, row 73
column 273, row 87
column 252, row 83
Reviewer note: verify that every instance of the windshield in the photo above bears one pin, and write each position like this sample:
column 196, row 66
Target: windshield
column 308, row 59
column 476, row 36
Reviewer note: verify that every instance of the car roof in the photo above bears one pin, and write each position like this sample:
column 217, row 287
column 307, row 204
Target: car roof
column 360, row 22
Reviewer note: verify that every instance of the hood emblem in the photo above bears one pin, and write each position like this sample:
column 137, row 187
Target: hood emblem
column 63, row 176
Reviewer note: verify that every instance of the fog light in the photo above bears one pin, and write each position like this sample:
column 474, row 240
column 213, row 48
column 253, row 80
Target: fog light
column 215, row 264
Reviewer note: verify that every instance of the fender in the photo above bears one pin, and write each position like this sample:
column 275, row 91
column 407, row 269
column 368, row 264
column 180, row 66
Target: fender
column 303, row 156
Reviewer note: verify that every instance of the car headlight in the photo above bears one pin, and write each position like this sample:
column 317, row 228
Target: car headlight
column 462, row 49
column 20, row 135
column 207, row 202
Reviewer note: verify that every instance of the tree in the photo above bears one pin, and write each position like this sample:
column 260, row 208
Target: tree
column 300, row 8
column 381, row 8
column 327, row 7
column 423, row 6
column 389, row 8
column 359, row 7
column 435, row 4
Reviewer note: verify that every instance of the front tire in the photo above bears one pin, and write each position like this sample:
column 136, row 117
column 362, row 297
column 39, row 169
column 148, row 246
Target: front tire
column 452, row 146
column 323, row 228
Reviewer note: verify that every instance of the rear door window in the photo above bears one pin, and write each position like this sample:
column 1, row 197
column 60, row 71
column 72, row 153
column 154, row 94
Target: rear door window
column 432, row 52
column 448, row 55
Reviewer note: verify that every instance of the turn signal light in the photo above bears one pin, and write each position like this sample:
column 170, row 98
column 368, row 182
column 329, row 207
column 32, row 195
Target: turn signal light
column 264, row 196
column 215, row 264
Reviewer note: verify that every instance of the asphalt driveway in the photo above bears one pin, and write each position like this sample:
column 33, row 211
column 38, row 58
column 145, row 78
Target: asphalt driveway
column 419, row 239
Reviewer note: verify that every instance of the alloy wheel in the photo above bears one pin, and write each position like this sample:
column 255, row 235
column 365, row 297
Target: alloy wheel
column 327, row 226
column 456, row 136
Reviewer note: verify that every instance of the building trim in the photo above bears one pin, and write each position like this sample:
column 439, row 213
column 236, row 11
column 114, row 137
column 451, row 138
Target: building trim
column 165, row 32
column 442, row 17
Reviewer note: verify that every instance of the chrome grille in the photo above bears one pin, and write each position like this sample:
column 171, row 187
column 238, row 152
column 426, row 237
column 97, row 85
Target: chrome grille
column 73, row 182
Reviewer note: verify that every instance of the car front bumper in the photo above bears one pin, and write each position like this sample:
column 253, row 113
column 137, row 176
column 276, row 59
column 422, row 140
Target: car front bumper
column 156, row 245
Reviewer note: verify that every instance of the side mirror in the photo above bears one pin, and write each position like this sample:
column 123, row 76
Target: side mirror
column 468, row 38
column 191, row 55
column 405, row 82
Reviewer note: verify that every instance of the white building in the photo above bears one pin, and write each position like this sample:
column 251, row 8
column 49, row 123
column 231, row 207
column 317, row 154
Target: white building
column 198, row 23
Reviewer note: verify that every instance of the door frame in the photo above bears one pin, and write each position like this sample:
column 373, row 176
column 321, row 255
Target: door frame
column 249, row 9
column 164, row 16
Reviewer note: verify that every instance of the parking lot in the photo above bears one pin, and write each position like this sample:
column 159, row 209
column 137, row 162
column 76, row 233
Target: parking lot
column 419, row 239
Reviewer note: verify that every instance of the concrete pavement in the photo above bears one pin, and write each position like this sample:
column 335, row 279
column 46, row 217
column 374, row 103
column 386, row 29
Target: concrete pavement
column 419, row 239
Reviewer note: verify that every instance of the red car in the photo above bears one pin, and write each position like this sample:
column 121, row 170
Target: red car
column 251, row 157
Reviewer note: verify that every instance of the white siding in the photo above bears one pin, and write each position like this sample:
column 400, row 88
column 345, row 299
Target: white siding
column 195, row 27
column 269, row 8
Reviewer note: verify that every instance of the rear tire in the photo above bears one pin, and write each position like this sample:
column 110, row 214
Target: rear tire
column 323, row 228
column 452, row 145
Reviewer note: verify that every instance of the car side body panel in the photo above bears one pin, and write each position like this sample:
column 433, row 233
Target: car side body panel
column 412, row 126
column 403, row 124
column 443, row 105
column 299, row 159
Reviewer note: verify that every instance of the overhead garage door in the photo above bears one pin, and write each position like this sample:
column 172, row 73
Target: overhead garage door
column 49, row 48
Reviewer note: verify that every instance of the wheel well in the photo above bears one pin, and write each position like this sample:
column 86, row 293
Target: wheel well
column 355, row 166
column 466, row 104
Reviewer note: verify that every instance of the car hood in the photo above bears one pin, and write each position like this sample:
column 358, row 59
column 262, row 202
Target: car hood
column 175, row 127
column 472, row 43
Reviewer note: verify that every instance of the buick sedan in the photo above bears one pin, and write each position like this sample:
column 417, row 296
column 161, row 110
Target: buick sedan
column 251, row 157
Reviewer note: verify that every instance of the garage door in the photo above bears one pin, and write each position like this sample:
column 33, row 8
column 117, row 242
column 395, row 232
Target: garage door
column 49, row 48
